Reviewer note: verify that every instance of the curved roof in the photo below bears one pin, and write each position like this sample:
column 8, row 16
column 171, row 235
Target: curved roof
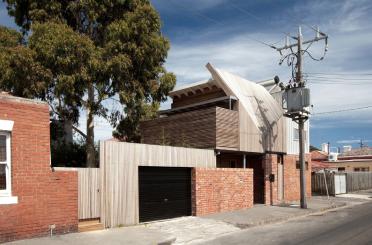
column 260, row 105
column 255, row 99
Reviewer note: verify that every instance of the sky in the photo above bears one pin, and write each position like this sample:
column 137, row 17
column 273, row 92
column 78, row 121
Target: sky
column 229, row 35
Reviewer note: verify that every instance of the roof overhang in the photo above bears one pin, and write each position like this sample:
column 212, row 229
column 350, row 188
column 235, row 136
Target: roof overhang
column 193, row 88
column 199, row 105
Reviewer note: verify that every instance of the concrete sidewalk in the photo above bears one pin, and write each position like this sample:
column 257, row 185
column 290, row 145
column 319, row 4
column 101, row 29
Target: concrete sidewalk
column 363, row 194
column 116, row 236
column 193, row 230
column 261, row 214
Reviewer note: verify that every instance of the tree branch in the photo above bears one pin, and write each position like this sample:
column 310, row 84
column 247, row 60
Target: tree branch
column 73, row 127
column 79, row 131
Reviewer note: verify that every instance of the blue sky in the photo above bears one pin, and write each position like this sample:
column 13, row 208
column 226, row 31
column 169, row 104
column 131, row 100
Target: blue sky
column 222, row 32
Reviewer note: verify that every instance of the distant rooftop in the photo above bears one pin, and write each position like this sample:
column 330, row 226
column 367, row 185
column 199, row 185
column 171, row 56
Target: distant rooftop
column 358, row 152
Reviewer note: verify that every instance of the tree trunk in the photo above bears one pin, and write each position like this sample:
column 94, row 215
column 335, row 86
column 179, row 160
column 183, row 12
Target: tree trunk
column 91, row 153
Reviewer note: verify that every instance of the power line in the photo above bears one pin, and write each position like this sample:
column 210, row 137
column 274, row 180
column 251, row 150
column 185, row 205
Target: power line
column 340, row 78
column 337, row 111
column 341, row 74
column 315, row 79
column 198, row 13
column 318, row 80
column 337, row 83
column 246, row 12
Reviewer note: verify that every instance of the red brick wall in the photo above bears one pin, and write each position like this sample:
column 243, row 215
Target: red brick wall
column 221, row 189
column 44, row 197
column 271, row 188
column 292, row 178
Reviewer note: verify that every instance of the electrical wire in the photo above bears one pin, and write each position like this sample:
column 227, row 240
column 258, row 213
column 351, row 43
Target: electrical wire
column 344, row 110
column 339, row 78
column 312, row 57
column 327, row 83
column 245, row 11
column 198, row 13
column 339, row 74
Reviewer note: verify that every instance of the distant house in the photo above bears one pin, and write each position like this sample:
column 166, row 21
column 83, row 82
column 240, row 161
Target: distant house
column 353, row 160
column 319, row 161
column 356, row 163
column 243, row 122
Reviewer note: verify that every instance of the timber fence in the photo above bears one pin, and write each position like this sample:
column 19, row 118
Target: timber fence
column 355, row 181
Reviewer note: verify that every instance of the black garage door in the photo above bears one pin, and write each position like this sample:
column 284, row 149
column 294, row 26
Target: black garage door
column 164, row 193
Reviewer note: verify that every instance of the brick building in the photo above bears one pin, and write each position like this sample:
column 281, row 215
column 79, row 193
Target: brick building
column 33, row 197
column 354, row 160
column 243, row 122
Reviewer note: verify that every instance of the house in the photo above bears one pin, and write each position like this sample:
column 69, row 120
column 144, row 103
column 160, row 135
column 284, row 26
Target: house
column 243, row 123
column 319, row 161
column 351, row 160
column 35, row 200
column 361, row 163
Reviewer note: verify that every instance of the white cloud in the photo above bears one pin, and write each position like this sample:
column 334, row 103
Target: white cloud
column 231, row 48
column 237, row 53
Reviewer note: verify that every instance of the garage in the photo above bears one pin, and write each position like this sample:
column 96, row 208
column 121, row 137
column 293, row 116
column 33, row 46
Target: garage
column 164, row 192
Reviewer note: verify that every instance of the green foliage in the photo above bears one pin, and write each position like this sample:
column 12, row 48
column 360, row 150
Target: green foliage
column 68, row 47
column 63, row 153
column 313, row 148
column 20, row 74
column 68, row 155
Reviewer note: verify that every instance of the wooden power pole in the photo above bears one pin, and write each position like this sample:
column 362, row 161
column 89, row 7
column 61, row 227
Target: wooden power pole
column 297, row 97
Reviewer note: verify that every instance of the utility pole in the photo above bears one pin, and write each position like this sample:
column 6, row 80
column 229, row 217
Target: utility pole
column 301, row 122
column 297, row 97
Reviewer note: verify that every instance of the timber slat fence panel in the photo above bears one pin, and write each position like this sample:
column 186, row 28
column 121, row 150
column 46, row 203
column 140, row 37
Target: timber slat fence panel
column 89, row 185
column 318, row 184
column 356, row 181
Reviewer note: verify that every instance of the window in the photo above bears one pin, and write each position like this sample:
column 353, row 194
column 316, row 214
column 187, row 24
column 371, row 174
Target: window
column 362, row 169
column 5, row 165
column 341, row 169
column 6, row 127
column 298, row 165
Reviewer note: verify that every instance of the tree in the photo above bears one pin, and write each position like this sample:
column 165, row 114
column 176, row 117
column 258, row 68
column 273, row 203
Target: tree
column 87, row 52
column 313, row 148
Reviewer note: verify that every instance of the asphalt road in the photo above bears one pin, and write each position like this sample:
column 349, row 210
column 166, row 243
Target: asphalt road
column 352, row 225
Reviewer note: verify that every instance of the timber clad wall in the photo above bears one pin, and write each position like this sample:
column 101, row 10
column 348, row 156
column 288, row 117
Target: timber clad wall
column 207, row 128
column 44, row 197
column 119, row 163
column 227, row 128
column 221, row 189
